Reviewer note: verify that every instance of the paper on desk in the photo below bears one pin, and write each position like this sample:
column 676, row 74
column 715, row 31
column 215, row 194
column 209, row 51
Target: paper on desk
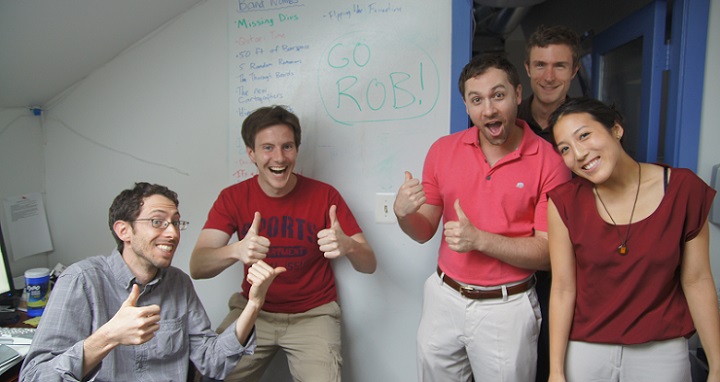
column 28, row 230
column 32, row 321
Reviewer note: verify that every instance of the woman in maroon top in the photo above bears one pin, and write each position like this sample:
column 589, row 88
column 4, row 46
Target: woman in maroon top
column 629, row 248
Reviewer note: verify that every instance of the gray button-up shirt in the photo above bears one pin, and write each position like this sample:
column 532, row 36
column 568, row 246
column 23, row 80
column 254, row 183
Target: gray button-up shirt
column 90, row 292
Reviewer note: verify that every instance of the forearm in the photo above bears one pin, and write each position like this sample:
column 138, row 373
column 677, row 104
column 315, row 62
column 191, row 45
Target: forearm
column 48, row 363
column 562, row 307
column 207, row 262
column 703, row 305
column 522, row 252
column 95, row 348
column 362, row 256
column 417, row 226
column 246, row 321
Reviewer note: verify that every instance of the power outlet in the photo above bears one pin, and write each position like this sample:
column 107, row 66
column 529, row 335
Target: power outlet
column 384, row 207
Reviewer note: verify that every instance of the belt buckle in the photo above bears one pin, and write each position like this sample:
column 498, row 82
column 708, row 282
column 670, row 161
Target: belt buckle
column 466, row 289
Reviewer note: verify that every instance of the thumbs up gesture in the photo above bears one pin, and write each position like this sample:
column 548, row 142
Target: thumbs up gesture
column 133, row 325
column 260, row 276
column 410, row 197
column 460, row 235
column 253, row 247
column 332, row 241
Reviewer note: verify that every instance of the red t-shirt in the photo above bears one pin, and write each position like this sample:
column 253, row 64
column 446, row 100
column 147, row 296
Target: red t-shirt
column 291, row 223
column 638, row 297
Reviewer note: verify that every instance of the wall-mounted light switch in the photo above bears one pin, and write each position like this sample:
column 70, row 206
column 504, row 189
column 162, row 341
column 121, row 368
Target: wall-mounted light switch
column 384, row 207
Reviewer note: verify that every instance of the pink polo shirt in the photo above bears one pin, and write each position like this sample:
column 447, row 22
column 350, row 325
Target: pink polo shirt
column 507, row 199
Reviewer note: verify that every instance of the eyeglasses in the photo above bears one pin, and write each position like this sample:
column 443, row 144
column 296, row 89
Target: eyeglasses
column 162, row 224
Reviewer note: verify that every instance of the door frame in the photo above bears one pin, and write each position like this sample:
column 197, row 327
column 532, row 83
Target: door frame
column 676, row 51
column 648, row 23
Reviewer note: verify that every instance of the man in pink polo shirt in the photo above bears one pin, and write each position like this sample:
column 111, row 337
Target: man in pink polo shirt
column 488, row 184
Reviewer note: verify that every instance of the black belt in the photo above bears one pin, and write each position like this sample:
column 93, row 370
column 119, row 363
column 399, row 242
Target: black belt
column 474, row 293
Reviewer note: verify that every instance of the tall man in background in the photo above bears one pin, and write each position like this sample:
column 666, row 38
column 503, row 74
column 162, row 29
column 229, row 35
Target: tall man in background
column 488, row 184
column 552, row 61
column 292, row 221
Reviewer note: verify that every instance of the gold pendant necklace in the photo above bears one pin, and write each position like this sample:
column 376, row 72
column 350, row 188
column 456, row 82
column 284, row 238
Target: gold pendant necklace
column 622, row 249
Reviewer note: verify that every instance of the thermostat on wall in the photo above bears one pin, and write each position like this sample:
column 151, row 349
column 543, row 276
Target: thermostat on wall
column 715, row 183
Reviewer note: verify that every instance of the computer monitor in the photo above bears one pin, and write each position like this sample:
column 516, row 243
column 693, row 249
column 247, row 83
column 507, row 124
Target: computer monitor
column 6, row 280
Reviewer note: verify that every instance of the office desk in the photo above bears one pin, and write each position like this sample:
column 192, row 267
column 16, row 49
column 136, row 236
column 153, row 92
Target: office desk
column 13, row 373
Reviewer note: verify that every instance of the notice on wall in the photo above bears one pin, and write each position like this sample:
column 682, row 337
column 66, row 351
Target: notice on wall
column 27, row 228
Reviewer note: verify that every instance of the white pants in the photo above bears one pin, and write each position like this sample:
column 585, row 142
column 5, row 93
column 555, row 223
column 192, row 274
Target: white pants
column 659, row 361
column 492, row 340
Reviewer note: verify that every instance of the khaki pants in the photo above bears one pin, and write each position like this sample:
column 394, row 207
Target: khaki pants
column 311, row 341
column 485, row 340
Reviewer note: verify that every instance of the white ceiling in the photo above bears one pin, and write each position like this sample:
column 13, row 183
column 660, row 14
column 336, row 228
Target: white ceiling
column 48, row 45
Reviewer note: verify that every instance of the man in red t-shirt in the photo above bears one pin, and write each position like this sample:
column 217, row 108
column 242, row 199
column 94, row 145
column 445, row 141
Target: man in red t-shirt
column 287, row 220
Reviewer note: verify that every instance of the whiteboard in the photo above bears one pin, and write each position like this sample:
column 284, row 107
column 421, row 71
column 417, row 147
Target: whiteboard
column 373, row 84
column 356, row 73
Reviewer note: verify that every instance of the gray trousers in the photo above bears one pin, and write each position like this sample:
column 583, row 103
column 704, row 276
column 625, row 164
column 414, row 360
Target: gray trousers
column 658, row 361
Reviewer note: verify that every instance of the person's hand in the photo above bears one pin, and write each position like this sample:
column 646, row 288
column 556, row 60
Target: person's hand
column 410, row 197
column 460, row 235
column 260, row 276
column 253, row 247
column 332, row 241
column 133, row 325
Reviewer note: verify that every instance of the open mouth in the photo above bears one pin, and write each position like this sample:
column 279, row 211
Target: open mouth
column 495, row 128
column 278, row 170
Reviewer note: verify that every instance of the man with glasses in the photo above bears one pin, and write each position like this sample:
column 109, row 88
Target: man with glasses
column 131, row 316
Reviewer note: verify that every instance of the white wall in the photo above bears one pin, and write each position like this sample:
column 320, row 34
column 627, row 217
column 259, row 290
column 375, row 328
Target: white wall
column 709, row 155
column 159, row 113
column 22, row 170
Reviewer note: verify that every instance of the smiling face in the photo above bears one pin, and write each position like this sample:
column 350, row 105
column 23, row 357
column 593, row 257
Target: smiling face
column 147, row 249
column 491, row 102
column 551, row 71
column 588, row 147
column 275, row 154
